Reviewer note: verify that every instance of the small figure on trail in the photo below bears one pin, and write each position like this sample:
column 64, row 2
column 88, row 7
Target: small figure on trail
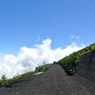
column 55, row 62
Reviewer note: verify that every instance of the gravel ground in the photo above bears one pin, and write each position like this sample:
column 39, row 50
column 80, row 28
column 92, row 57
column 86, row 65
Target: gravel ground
column 53, row 81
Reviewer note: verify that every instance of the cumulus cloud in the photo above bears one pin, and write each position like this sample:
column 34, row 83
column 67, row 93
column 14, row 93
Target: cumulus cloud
column 29, row 58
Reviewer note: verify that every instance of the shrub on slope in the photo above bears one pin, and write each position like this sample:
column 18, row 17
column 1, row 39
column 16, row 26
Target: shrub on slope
column 70, row 62
column 42, row 68
column 4, row 79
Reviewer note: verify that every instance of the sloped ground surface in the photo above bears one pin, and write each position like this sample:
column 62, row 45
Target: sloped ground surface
column 54, row 81
column 86, row 68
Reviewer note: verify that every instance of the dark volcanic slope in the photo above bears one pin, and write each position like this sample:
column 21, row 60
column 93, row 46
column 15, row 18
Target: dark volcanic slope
column 54, row 81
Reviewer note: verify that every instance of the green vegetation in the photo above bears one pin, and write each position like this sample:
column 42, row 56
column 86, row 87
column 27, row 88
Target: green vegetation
column 70, row 62
column 4, row 79
column 42, row 68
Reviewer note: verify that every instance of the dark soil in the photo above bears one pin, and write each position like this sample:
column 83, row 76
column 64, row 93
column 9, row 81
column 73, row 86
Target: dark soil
column 53, row 81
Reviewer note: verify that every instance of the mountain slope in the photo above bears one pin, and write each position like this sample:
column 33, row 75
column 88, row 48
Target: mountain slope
column 53, row 81
column 86, row 68
column 69, row 63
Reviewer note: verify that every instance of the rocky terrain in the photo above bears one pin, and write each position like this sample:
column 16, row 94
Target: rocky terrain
column 53, row 81
column 86, row 68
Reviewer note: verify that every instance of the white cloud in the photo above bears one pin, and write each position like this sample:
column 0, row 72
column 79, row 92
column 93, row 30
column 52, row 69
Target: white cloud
column 38, row 39
column 77, row 37
column 72, row 36
column 29, row 58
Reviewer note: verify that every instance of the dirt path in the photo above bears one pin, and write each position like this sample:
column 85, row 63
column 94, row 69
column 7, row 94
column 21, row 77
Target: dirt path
column 54, row 81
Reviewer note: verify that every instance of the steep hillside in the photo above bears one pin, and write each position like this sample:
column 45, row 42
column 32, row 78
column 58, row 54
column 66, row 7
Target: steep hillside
column 69, row 63
column 86, row 68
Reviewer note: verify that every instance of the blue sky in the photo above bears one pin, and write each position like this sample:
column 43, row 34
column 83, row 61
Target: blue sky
column 23, row 21
column 33, row 31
